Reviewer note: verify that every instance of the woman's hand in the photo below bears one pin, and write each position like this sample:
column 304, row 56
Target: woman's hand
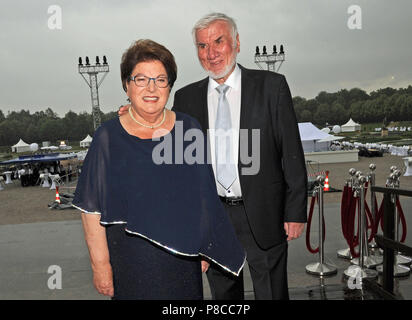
column 103, row 280
column 205, row 265
column 95, row 235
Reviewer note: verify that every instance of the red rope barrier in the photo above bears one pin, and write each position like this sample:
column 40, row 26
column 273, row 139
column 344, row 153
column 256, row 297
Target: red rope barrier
column 403, row 220
column 309, row 223
column 344, row 207
column 369, row 217
column 401, row 217
column 348, row 214
column 350, row 206
column 353, row 240
column 373, row 223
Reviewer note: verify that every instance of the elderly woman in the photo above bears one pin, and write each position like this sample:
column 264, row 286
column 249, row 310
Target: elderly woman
column 147, row 224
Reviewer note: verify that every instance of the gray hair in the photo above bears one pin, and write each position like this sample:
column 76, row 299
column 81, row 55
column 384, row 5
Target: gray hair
column 208, row 19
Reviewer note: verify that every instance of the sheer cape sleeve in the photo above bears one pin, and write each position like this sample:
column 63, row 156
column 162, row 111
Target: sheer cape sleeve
column 96, row 191
column 219, row 242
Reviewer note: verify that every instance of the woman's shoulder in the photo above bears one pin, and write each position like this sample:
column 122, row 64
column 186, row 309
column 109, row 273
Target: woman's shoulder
column 109, row 125
column 107, row 128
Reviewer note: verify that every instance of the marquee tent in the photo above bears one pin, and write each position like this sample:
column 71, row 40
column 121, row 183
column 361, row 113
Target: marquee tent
column 351, row 126
column 20, row 146
column 314, row 139
column 86, row 142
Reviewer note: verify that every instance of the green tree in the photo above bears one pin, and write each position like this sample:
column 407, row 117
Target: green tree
column 50, row 114
column 306, row 116
column 9, row 132
column 338, row 114
column 343, row 98
column 322, row 115
column 402, row 103
column 49, row 130
column 357, row 94
column 356, row 110
column 325, row 98
column 386, row 91
column 108, row 116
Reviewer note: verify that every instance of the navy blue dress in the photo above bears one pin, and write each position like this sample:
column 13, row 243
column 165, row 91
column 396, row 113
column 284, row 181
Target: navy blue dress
column 158, row 200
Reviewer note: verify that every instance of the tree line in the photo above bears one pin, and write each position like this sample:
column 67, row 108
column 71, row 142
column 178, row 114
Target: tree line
column 383, row 105
column 386, row 104
column 46, row 126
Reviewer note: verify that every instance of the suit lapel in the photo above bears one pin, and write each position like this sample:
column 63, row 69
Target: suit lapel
column 204, row 114
column 246, row 100
column 246, row 111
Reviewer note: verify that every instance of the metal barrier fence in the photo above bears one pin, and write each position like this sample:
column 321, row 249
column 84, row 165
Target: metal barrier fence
column 387, row 241
column 69, row 183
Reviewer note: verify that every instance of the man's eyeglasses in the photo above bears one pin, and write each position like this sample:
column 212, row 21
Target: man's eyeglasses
column 143, row 81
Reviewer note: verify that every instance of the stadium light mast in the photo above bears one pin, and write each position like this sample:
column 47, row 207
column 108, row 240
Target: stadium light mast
column 93, row 71
column 270, row 59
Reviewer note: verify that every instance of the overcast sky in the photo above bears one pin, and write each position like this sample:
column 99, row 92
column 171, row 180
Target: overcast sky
column 38, row 67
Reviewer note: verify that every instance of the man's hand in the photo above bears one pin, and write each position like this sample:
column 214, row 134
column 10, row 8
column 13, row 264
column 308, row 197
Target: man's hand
column 205, row 265
column 123, row 110
column 294, row 229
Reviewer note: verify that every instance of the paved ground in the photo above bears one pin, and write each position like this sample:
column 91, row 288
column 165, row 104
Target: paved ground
column 29, row 250
column 36, row 241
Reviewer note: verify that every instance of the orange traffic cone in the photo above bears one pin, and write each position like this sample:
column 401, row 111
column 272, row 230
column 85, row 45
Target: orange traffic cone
column 57, row 195
column 326, row 185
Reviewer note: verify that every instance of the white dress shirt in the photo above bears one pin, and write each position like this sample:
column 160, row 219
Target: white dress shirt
column 233, row 97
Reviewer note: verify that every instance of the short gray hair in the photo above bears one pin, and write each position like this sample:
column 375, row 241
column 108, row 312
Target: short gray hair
column 208, row 19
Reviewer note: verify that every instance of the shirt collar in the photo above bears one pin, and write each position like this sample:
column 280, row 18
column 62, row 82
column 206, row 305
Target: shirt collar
column 233, row 81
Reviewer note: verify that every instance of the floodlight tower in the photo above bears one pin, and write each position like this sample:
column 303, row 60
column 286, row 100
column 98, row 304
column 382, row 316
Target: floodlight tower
column 93, row 71
column 270, row 59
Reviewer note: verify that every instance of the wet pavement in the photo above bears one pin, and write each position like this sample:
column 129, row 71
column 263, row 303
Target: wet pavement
column 33, row 254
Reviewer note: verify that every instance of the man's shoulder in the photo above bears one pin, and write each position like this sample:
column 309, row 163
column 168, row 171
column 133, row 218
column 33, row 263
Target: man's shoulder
column 192, row 87
column 261, row 74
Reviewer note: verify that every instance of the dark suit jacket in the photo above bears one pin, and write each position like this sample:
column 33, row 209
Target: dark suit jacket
column 277, row 193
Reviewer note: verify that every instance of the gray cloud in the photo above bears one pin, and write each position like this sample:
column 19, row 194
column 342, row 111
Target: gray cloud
column 39, row 66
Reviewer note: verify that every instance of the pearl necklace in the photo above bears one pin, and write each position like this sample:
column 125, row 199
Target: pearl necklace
column 145, row 125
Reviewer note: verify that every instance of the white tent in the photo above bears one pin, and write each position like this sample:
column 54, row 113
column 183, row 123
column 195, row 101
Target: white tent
column 20, row 146
column 314, row 139
column 351, row 126
column 86, row 142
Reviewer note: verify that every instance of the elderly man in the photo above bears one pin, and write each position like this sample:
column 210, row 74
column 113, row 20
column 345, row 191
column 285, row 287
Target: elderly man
column 267, row 207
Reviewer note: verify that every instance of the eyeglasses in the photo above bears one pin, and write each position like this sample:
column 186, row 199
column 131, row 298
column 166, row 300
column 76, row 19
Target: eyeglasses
column 143, row 81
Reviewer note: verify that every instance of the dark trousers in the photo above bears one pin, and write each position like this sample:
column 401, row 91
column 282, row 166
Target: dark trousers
column 268, row 268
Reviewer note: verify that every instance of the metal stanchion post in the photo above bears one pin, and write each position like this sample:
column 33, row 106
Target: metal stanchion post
column 372, row 181
column 399, row 270
column 320, row 268
column 360, row 271
column 365, row 260
column 345, row 253
column 374, row 249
